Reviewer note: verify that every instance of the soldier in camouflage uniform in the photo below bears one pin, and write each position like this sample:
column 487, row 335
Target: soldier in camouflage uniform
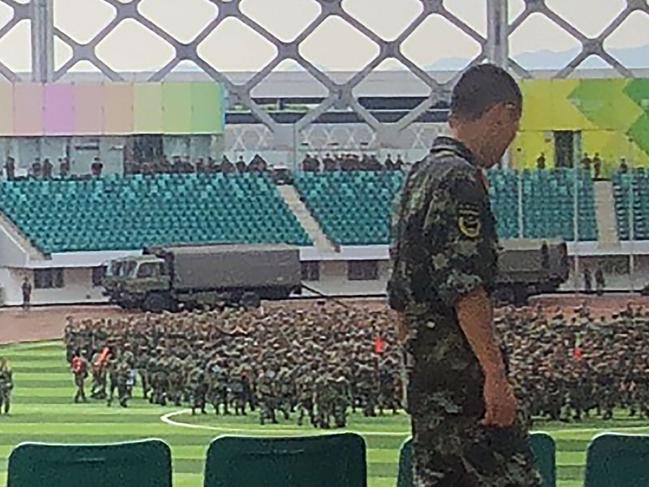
column 238, row 390
column 6, row 386
column 267, row 396
column 98, row 387
column 341, row 398
column 218, row 386
column 285, row 391
column 123, row 377
column 197, row 388
column 463, row 410
column 175, row 368
column 305, row 382
column 142, row 363
column 324, row 399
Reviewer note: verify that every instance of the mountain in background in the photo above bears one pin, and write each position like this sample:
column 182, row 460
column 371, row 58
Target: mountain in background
column 633, row 57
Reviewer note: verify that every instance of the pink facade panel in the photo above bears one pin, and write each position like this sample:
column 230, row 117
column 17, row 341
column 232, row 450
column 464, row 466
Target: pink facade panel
column 59, row 109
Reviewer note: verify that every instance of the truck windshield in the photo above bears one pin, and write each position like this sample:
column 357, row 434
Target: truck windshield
column 114, row 269
column 148, row 269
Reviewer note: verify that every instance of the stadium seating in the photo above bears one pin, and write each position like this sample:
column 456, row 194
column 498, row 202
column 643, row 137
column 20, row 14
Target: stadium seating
column 316, row 461
column 352, row 207
column 625, row 198
column 616, row 460
column 355, row 207
column 503, row 190
column 137, row 464
column 543, row 449
column 548, row 204
column 123, row 213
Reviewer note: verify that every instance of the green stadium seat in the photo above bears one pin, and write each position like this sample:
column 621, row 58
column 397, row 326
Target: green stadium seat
column 543, row 449
column 316, row 461
column 617, row 460
column 138, row 464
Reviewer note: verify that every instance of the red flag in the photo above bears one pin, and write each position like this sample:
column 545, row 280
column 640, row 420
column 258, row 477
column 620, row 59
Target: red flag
column 578, row 353
column 379, row 345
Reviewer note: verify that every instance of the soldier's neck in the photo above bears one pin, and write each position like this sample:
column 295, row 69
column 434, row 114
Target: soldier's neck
column 473, row 139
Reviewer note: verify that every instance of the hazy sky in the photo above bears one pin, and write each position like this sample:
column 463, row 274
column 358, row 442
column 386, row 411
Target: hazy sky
column 335, row 45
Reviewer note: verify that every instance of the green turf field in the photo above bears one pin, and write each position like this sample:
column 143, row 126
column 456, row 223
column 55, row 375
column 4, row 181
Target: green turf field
column 43, row 411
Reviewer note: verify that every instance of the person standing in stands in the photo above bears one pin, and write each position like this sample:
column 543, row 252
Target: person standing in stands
column 241, row 165
column 227, row 167
column 586, row 163
column 96, row 167
column 10, row 168
column 624, row 167
column 37, row 168
column 600, row 281
column 48, row 167
column 588, row 281
column 465, row 423
column 597, row 165
column 27, row 293
column 540, row 162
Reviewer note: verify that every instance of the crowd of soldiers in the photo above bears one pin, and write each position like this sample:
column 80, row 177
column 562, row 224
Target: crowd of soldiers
column 351, row 162
column 183, row 165
column 567, row 366
column 317, row 363
column 323, row 361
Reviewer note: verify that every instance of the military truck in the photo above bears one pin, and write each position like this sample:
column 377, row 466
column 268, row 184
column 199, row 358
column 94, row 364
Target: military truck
column 206, row 276
column 530, row 267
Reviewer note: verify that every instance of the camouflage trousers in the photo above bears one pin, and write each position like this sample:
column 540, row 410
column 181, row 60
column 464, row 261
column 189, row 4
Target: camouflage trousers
column 445, row 400
column 459, row 452
column 5, row 398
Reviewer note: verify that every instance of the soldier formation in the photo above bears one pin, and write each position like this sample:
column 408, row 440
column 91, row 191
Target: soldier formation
column 567, row 366
column 315, row 363
column 318, row 363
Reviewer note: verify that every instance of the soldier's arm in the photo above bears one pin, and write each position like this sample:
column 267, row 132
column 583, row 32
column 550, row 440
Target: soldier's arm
column 475, row 315
column 462, row 263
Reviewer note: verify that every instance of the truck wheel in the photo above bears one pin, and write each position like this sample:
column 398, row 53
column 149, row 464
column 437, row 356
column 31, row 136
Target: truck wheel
column 250, row 300
column 155, row 303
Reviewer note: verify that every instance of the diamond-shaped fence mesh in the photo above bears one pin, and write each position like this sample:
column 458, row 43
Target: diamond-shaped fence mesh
column 215, row 37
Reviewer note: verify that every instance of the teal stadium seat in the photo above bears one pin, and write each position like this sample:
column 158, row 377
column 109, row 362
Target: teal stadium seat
column 352, row 207
column 317, row 461
column 543, row 449
column 631, row 193
column 124, row 213
column 616, row 460
column 138, row 464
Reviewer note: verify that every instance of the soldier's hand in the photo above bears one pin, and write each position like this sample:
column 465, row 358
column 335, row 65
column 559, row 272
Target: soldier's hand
column 500, row 403
column 402, row 328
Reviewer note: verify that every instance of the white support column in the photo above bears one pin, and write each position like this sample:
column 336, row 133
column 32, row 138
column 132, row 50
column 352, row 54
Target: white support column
column 497, row 38
column 42, row 15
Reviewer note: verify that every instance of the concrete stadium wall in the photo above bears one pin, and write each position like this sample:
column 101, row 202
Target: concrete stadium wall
column 77, row 288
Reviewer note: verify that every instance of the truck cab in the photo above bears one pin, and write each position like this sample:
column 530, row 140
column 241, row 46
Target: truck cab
column 130, row 281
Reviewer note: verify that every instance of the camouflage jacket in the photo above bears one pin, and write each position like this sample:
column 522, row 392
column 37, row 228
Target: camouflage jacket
column 444, row 243
column 445, row 247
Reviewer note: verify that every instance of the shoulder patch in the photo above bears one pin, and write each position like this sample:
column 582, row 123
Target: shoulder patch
column 468, row 221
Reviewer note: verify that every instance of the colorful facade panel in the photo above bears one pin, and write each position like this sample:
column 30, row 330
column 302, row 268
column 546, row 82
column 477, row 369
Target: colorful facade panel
column 57, row 109
column 610, row 116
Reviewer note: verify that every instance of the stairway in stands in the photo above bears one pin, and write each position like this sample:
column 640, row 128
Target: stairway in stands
column 312, row 227
column 605, row 210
